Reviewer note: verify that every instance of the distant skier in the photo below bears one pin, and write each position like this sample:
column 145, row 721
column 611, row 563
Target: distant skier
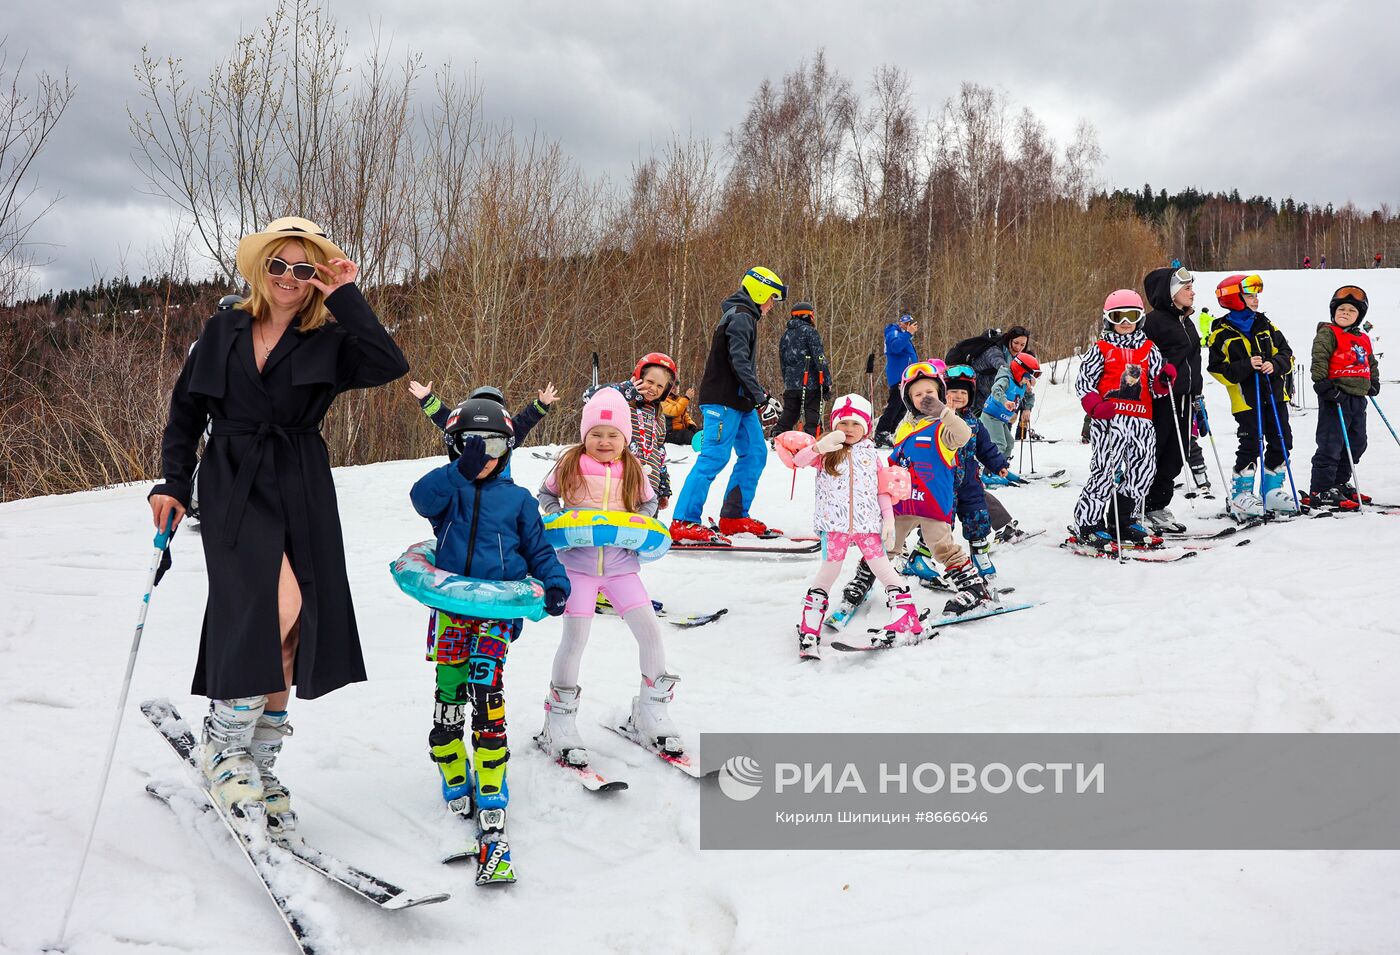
column 806, row 374
column 900, row 353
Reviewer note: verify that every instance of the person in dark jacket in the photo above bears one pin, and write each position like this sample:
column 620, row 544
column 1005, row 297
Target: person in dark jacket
column 523, row 421
column 487, row 528
column 806, row 375
column 279, row 613
column 899, row 355
column 731, row 404
column 1171, row 293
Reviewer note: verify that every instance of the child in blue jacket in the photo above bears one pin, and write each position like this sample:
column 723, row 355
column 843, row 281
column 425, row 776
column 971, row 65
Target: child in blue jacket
column 487, row 528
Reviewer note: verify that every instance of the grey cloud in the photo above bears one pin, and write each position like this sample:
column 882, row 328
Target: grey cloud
column 1271, row 98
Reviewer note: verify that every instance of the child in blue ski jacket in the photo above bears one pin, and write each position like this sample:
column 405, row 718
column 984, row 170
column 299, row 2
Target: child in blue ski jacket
column 487, row 528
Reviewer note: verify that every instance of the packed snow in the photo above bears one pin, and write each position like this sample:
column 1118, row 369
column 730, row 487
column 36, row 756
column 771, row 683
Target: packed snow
column 1295, row 632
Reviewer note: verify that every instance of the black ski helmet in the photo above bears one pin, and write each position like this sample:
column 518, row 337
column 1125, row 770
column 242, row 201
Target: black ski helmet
column 489, row 393
column 961, row 381
column 228, row 302
column 477, row 415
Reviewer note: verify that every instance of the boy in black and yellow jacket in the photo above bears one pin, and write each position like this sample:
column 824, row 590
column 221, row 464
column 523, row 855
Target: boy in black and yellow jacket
column 1344, row 374
column 1252, row 359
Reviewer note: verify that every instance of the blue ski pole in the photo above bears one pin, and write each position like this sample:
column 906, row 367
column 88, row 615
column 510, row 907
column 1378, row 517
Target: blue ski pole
column 1377, row 405
column 1259, row 424
column 1287, row 462
column 162, row 541
column 1346, row 440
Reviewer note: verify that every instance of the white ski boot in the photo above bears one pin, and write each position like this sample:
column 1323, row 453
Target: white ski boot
column 1277, row 498
column 982, row 559
column 650, row 720
column 268, row 734
column 560, row 736
column 1243, row 501
column 1164, row 521
column 233, row 777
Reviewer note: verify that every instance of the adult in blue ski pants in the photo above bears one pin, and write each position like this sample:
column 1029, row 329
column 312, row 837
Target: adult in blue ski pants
column 726, row 429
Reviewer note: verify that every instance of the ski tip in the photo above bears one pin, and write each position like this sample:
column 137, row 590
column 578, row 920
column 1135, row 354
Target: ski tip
column 408, row 902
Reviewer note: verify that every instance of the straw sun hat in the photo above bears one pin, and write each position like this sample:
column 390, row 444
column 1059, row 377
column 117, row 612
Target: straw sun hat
column 252, row 248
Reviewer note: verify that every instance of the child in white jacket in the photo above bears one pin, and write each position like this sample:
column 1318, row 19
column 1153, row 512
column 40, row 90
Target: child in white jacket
column 852, row 509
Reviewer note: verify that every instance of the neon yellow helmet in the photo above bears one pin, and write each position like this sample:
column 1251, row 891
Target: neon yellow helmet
column 763, row 284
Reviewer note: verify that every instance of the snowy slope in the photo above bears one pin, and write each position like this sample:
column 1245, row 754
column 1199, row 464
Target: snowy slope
column 1290, row 633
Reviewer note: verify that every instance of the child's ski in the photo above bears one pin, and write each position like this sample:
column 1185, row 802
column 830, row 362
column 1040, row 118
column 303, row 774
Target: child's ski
column 1146, row 555
column 681, row 761
column 987, row 610
column 588, row 777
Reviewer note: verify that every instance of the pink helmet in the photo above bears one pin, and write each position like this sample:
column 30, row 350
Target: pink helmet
column 1123, row 300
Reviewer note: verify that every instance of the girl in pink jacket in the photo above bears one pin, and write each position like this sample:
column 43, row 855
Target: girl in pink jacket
column 602, row 474
column 851, row 510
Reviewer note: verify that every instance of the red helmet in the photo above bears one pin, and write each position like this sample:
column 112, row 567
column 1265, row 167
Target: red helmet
column 655, row 358
column 661, row 360
column 1024, row 364
column 1232, row 287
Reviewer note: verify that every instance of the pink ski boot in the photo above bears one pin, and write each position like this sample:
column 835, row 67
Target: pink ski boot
column 809, row 630
column 905, row 617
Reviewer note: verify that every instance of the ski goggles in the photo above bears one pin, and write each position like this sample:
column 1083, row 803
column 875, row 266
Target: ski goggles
column 1183, row 276
column 1351, row 291
column 301, row 271
column 960, row 371
column 1249, row 285
column 1123, row 316
column 923, row 369
column 496, row 444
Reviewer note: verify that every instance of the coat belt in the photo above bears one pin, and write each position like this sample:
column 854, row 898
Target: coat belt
column 295, row 511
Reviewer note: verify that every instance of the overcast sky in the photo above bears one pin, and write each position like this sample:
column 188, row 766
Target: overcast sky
column 1275, row 98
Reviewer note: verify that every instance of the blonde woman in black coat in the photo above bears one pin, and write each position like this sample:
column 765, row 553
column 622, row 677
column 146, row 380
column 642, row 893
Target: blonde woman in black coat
column 262, row 377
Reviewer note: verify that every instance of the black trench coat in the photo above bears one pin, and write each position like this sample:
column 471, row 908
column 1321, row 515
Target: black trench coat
column 265, row 488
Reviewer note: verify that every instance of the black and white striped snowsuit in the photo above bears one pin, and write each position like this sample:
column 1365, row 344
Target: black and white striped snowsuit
column 1124, row 446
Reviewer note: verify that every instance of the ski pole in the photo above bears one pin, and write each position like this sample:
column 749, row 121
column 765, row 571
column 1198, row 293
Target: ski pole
column 802, row 404
column 1287, row 458
column 1259, row 435
column 1180, row 441
column 1377, row 405
column 1117, row 518
column 1225, row 485
column 870, row 377
column 162, row 541
column 1346, row 440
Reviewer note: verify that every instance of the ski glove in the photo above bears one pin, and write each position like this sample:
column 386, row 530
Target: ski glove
column 1328, row 390
column 770, row 410
column 1375, row 388
column 1162, row 384
column 554, row 599
column 829, row 442
column 1097, row 406
column 472, row 457
column 887, row 534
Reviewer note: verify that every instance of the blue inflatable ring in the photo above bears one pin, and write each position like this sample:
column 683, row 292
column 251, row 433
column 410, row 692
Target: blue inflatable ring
column 417, row 576
column 646, row 536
